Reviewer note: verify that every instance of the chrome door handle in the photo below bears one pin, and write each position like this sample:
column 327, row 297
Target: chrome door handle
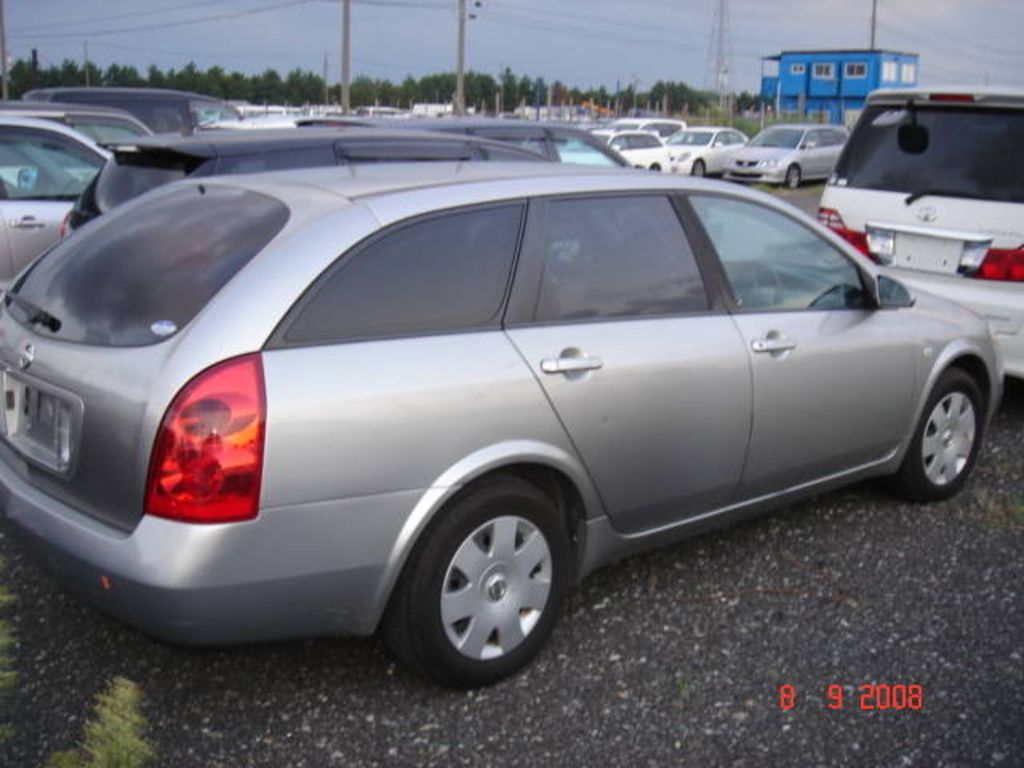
column 570, row 364
column 778, row 344
column 27, row 222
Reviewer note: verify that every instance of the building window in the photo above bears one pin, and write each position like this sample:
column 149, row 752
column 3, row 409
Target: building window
column 855, row 69
column 889, row 71
column 908, row 73
column 797, row 69
column 824, row 71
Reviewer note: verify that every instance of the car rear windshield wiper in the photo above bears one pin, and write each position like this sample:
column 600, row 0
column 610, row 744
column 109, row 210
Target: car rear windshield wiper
column 36, row 314
column 913, row 198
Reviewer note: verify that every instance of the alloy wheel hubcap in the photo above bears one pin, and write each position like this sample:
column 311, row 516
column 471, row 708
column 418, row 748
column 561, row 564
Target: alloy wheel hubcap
column 496, row 587
column 948, row 438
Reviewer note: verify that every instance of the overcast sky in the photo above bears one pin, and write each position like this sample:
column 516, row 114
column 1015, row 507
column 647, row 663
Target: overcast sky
column 581, row 42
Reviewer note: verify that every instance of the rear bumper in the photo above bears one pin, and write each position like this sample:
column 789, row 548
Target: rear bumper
column 1000, row 304
column 293, row 572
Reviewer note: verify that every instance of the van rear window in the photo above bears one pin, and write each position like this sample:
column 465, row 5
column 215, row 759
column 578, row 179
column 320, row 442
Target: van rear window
column 976, row 153
column 140, row 273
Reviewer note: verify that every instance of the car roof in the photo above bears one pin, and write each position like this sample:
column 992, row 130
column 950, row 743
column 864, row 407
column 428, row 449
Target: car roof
column 690, row 128
column 487, row 181
column 61, row 108
column 224, row 143
column 803, row 126
column 983, row 95
column 47, row 94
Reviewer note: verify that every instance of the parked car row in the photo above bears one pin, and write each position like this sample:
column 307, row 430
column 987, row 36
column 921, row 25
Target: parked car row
column 256, row 396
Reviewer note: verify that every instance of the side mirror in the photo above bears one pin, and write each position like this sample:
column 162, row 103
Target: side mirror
column 892, row 294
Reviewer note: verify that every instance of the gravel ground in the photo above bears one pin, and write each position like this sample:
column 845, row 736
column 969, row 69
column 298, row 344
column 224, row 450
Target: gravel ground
column 670, row 658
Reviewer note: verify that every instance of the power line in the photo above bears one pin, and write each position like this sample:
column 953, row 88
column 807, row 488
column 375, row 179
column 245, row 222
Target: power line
column 167, row 24
column 131, row 14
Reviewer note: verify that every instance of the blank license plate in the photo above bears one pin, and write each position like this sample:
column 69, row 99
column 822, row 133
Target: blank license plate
column 41, row 423
column 930, row 254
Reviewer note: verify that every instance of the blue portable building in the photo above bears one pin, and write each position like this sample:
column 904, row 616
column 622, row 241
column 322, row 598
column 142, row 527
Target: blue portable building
column 832, row 85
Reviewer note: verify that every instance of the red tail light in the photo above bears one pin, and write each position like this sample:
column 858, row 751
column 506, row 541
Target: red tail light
column 830, row 218
column 964, row 98
column 207, row 461
column 1002, row 264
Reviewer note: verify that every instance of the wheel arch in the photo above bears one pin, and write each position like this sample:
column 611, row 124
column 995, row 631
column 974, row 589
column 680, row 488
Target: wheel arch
column 556, row 473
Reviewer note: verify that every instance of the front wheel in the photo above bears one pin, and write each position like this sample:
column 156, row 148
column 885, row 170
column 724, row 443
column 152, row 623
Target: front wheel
column 484, row 586
column 793, row 177
column 655, row 166
column 946, row 441
column 698, row 168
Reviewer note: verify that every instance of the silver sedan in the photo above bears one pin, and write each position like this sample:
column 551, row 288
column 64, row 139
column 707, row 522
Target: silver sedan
column 427, row 399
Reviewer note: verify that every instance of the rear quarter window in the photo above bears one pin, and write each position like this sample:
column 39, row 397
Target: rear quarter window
column 445, row 273
column 133, row 277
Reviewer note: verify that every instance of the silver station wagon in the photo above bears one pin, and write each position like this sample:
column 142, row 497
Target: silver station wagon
column 427, row 399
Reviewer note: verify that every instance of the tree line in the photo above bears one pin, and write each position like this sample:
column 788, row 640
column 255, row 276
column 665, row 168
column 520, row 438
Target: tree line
column 301, row 87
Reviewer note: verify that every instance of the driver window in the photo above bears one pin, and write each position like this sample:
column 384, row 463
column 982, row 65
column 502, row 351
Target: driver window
column 773, row 263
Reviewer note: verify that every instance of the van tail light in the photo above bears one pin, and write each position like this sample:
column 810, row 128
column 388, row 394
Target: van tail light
column 1002, row 264
column 830, row 218
column 207, row 461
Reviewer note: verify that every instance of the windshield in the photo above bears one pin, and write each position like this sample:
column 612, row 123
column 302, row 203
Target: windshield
column 692, row 138
column 788, row 138
column 970, row 152
column 626, row 125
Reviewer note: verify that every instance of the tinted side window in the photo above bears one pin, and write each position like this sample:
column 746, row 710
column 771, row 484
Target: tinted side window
column 616, row 257
column 445, row 273
column 773, row 263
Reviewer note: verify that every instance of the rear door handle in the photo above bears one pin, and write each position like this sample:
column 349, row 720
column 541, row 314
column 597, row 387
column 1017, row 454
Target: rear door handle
column 773, row 344
column 28, row 222
column 570, row 364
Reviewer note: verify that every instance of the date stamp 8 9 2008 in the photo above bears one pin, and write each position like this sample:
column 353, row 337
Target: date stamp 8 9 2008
column 869, row 697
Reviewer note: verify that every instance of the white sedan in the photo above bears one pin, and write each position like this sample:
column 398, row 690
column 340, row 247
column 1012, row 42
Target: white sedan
column 641, row 148
column 703, row 151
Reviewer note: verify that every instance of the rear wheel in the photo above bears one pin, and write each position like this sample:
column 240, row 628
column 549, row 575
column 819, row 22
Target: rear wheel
column 793, row 176
column 655, row 166
column 484, row 586
column 946, row 440
column 698, row 168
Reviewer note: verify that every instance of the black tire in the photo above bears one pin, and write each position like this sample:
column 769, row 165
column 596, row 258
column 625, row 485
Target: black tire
column 655, row 166
column 793, row 176
column 912, row 481
column 413, row 626
column 698, row 168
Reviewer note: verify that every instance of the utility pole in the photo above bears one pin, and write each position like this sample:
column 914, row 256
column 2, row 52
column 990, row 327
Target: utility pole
column 85, row 62
column 4, row 80
column 460, row 66
column 874, row 21
column 326, row 95
column 346, row 55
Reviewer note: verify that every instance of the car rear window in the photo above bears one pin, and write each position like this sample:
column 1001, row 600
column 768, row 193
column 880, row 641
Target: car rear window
column 136, row 276
column 122, row 180
column 976, row 153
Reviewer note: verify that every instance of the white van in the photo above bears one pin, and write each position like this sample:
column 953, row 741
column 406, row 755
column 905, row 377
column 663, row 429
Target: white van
column 931, row 183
